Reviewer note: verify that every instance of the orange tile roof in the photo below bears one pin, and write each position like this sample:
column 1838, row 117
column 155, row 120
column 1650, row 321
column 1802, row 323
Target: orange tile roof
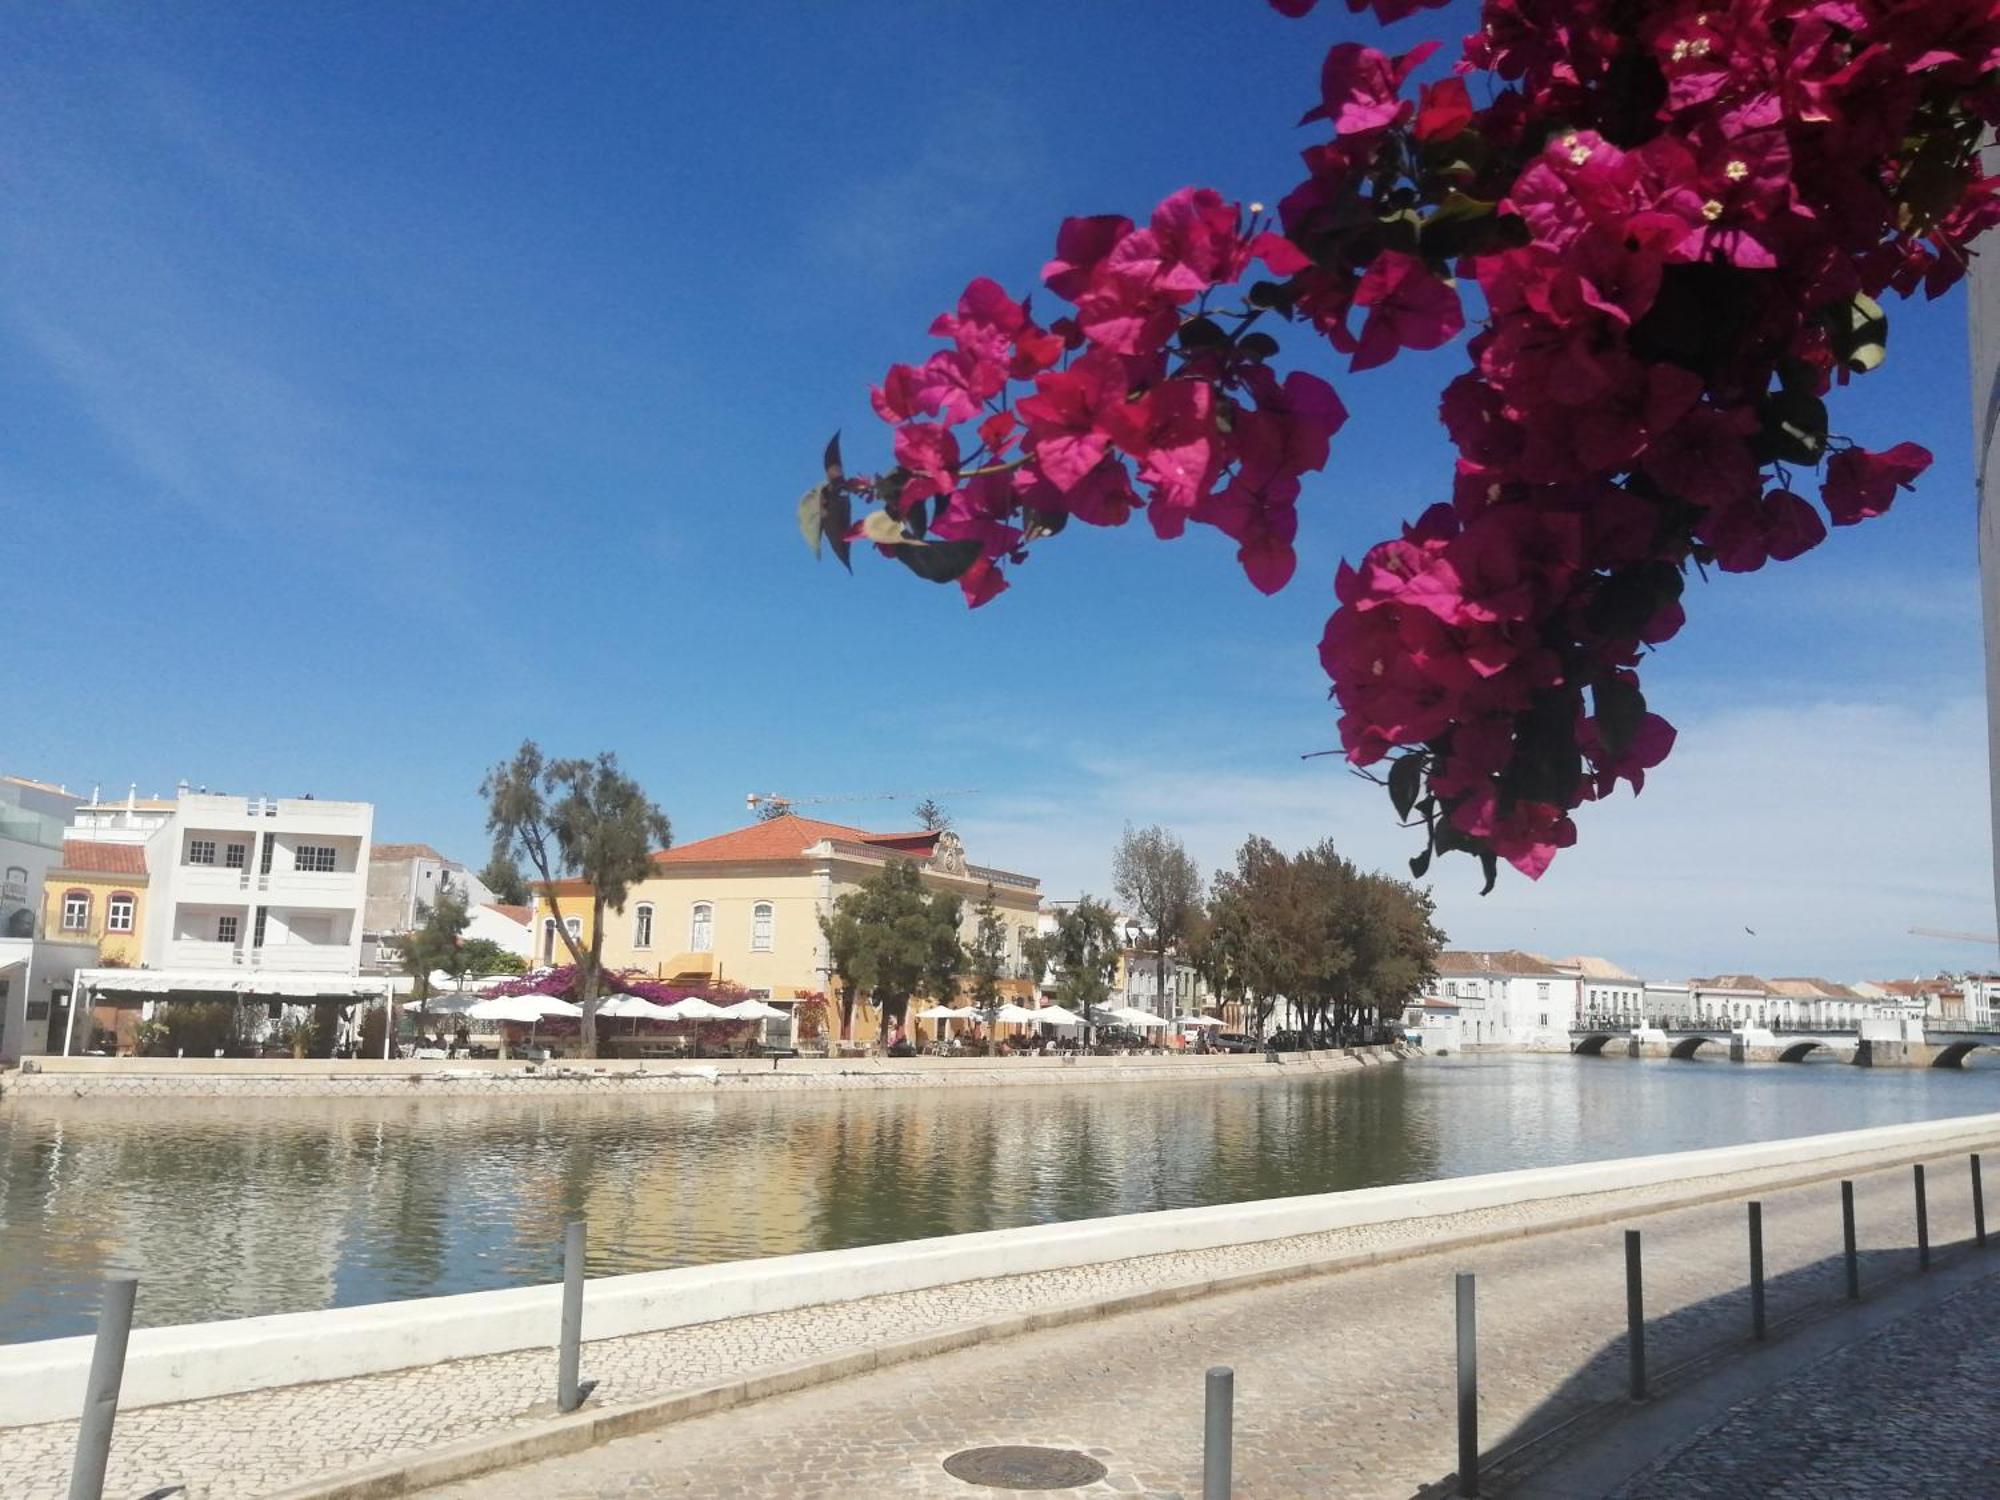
column 521, row 914
column 1507, row 961
column 106, row 859
column 785, row 838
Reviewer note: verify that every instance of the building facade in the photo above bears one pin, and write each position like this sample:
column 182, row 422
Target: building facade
column 743, row 908
column 406, row 880
column 33, row 817
column 96, row 894
column 1610, row 995
column 1504, row 998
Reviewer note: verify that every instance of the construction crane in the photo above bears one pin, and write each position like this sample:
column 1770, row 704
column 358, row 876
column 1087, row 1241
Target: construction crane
column 756, row 800
column 1989, row 939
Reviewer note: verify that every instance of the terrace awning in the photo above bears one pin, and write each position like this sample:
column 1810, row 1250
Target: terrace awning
column 276, row 983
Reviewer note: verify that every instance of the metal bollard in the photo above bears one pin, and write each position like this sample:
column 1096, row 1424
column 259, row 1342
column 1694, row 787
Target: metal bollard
column 1468, row 1388
column 1635, row 1314
column 1756, row 1270
column 100, row 1396
column 1923, row 1223
column 1217, row 1421
column 1847, row 1238
column 1978, row 1206
column 569, row 1394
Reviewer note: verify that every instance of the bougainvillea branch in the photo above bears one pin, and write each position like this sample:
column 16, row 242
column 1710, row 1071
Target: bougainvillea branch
column 1673, row 225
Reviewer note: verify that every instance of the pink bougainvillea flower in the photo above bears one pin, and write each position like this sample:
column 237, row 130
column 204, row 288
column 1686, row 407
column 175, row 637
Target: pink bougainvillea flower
column 1860, row 484
column 1409, row 307
column 930, row 453
column 1065, row 416
column 1360, row 87
column 1081, row 246
column 1444, row 109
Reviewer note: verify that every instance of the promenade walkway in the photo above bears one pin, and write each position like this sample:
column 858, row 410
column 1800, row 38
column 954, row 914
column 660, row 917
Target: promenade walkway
column 1343, row 1382
column 1343, row 1379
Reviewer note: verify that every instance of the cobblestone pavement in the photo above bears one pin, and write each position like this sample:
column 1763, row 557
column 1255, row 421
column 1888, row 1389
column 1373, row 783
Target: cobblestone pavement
column 1910, row 1411
column 1343, row 1380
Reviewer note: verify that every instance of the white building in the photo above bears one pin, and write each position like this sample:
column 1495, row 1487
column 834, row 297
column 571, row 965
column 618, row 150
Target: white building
column 406, row 880
column 511, row 927
column 1611, row 996
column 1504, row 998
column 1667, row 1004
column 33, row 815
column 235, row 882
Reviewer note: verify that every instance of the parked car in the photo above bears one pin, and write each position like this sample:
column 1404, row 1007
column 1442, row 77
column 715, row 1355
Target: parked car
column 1234, row 1041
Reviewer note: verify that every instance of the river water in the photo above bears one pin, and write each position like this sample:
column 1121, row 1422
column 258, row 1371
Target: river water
column 226, row 1208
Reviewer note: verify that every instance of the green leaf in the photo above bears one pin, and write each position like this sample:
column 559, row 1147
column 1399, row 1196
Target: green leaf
column 835, row 473
column 809, row 523
column 1860, row 332
column 1420, row 866
column 1794, row 427
column 1491, row 866
column 880, row 526
column 835, row 516
column 1257, row 344
column 1406, row 781
column 1202, row 333
column 939, row 562
column 1621, row 707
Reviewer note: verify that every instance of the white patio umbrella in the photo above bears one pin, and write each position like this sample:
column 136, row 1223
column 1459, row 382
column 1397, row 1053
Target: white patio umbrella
column 1199, row 1021
column 1131, row 1015
column 634, row 1007
column 751, row 1010
column 1011, row 1014
column 1056, row 1015
column 694, row 1008
column 947, row 1013
column 522, row 1009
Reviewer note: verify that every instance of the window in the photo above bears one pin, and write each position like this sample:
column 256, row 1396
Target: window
column 76, row 911
column 1542, row 992
column 318, row 858
column 642, row 926
column 257, row 932
column 264, row 860
column 701, row 928
column 226, row 928
column 574, row 927
column 760, row 927
column 548, row 942
column 233, row 856
column 119, row 914
column 201, row 851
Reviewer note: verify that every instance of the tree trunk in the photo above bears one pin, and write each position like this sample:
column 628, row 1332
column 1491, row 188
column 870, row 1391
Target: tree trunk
column 1160, row 972
column 587, row 1026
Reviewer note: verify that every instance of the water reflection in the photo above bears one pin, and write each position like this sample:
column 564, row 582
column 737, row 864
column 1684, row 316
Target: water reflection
column 233, row 1207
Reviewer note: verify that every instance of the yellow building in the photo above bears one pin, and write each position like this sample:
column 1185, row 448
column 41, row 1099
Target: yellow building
column 743, row 907
column 97, row 894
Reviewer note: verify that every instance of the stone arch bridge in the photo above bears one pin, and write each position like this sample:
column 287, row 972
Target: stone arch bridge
column 1937, row 1050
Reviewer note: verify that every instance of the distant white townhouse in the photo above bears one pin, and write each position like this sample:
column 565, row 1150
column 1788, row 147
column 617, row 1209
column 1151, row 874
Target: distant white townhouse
column 1611, row 996
column 1504, row 998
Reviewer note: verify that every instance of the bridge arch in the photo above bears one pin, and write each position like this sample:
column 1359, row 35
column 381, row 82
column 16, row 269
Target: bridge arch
column 1954, row 1054
column 1592, row 1045
column 1687, row 1046
column 1798, row 1052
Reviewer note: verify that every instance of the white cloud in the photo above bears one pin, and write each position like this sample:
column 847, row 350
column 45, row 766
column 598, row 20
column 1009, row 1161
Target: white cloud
column 1827, row 829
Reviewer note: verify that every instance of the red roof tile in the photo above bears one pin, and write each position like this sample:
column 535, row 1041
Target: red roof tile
column 785, row 838
column 391, row 852
column 522, row 914
column 106, row 859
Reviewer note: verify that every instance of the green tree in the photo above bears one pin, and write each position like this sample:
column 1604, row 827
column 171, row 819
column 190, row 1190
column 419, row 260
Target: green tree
column 931, row 816
column 1239, row 952
column 483, row 957
column 986, row 960
column 1082, row 954
column 1155, row 877
column 435, row 944
column 890, row 939
column 503, row 878
column 579, row 820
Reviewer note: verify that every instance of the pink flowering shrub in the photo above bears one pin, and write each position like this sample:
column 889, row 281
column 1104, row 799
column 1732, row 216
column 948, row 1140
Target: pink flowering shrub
column 1678, row 217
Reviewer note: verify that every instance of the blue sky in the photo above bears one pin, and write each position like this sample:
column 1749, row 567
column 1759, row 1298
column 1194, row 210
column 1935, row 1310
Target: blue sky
column 383, row 384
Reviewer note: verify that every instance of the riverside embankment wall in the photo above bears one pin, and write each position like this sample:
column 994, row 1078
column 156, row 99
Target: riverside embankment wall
column 44, row 1381
column 112, row 1077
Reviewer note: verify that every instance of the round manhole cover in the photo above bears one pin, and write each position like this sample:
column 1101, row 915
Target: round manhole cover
column 1024, row 1468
